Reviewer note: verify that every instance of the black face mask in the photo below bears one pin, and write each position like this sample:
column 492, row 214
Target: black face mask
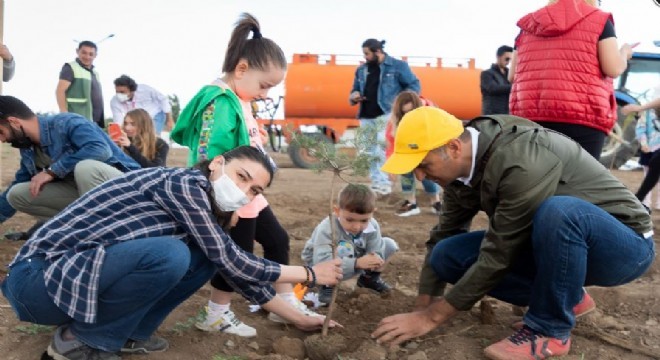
column 20, row 141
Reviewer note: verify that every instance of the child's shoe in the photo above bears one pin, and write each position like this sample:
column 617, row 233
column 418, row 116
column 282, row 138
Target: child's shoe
column 407, row 209
column 325, row 295
column 227, row 323
column 527, row 344
column 372, row 280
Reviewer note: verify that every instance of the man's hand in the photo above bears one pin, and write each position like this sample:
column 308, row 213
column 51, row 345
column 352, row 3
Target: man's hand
column 395, row 329
column 5, row 54
column 38, row 181
column 369, row 262
column 356, row 97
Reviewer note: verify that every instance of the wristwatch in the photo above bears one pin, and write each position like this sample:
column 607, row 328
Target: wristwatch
column 50, row 172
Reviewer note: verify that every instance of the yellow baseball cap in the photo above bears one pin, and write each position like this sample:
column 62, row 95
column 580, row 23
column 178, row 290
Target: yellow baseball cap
column 420, row 131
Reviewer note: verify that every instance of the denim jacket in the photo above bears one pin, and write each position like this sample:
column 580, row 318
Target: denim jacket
column 395, row 77
column 67, row 139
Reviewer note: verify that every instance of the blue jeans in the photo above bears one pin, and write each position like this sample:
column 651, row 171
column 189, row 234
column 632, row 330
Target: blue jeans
column 573, row 244
column 408, row 184
column 377, row 150
column 141, row 282
column 159, row 122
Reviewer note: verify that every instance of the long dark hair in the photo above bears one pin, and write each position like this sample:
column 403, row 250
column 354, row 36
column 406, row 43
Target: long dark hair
column 241, row 152
column 258, row 51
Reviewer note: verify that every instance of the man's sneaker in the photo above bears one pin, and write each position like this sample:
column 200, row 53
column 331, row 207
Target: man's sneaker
column 372, row 280
column 296, row 304
column 585, row 306
column 227, row 323
column 527, row 344
column 407, row 209
column 436, row 207
column 153, row 344
column 60, row 349
column 325, row 295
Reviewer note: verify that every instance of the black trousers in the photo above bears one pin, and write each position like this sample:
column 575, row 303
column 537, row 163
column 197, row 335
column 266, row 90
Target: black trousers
column 590, row 139
column 268, row 232
column 651, row 178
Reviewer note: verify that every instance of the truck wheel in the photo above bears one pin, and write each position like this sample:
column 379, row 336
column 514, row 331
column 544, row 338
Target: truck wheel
column 301, row 156
column 616, row 153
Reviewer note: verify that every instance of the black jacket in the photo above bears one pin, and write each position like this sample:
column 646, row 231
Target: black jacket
column 495, row 89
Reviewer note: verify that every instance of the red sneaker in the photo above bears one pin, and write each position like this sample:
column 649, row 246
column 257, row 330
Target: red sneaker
column 527, row 344
column 585, row 306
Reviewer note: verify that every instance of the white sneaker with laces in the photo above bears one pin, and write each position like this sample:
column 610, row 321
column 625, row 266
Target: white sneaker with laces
column 296, row 304
column 227, row 323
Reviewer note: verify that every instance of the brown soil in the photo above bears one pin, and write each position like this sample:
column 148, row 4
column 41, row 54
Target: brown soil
column 625, row 325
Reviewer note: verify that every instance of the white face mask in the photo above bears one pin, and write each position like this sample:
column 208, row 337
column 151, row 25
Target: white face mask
column 122, row 97
column 228, row 195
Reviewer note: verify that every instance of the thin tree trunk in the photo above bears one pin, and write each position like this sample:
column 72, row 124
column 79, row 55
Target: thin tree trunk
column 333, row 231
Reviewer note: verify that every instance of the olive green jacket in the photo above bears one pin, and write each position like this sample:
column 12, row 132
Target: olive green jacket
column 519, row 165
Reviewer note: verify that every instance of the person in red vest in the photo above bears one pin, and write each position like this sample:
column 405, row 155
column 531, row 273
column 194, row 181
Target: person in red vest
column 560, row 79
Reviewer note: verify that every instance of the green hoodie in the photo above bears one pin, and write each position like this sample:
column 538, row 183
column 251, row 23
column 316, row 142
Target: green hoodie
column 228, row 131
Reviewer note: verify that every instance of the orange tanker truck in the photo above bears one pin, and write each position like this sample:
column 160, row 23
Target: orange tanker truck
column 317, row 89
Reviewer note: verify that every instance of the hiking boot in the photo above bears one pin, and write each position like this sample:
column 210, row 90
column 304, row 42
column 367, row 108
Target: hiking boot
column 227, row 323
column 407, row 209
column 325, row 295
column 153, row 344
column 527, row 344
column 296, row 304
column 372, row 280
column 436, row 207
column 24, row 235
column 60, row 349
column 585, row 306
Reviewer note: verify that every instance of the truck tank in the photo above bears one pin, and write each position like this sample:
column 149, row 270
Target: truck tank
column 318, row 86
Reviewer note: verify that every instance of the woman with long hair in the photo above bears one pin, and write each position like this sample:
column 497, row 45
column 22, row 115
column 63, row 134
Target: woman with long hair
column 139, row 140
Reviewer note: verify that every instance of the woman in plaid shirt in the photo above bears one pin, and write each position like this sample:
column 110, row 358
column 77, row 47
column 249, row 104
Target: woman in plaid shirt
column 110, row 267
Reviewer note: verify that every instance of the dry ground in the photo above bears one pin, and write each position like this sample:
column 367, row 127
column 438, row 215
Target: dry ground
column 625, row 326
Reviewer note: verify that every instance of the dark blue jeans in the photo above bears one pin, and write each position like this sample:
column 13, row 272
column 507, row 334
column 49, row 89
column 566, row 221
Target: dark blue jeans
column 141, row 282
column 574, row 244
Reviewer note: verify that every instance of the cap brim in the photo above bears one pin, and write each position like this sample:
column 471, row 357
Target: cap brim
column 402, row 163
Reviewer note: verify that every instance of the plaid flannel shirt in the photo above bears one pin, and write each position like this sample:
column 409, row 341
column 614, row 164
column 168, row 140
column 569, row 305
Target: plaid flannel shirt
column 140, row 204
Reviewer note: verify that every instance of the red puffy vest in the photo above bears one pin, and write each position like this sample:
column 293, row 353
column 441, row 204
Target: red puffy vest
column 558, row 76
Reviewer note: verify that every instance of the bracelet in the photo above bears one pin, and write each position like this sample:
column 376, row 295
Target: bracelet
column 307, row 276
column 310, row 270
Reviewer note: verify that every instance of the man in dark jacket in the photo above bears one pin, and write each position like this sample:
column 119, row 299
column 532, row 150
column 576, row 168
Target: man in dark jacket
column 495, row 87
column 558, row 221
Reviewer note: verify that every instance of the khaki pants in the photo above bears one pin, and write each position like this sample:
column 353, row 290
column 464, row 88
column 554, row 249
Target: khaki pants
column 57, row 195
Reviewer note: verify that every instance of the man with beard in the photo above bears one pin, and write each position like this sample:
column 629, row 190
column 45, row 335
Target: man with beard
column 376, row 84
column 62, row 157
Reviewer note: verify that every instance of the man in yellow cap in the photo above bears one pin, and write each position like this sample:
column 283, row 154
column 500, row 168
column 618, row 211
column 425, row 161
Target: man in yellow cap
column 558, row 221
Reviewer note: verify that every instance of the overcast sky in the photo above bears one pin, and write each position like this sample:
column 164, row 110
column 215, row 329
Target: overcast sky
column 178, row 46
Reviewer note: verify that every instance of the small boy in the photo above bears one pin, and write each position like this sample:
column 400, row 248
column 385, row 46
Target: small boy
column 360, row 246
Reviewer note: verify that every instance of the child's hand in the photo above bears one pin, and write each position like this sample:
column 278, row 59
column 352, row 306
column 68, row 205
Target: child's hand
column 369, row 262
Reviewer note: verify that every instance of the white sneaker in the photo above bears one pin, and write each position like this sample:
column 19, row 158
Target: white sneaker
column 227, row 323
column 296, row 304
column 381, row 189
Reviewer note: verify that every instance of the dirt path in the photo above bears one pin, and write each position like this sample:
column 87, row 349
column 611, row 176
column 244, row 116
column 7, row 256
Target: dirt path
column 627, row 316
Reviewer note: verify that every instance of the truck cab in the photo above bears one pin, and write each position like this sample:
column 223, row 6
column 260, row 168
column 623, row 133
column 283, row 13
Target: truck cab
column 639, row 84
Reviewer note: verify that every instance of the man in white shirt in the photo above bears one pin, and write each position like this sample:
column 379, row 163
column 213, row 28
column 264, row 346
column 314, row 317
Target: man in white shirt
column 129, row 95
